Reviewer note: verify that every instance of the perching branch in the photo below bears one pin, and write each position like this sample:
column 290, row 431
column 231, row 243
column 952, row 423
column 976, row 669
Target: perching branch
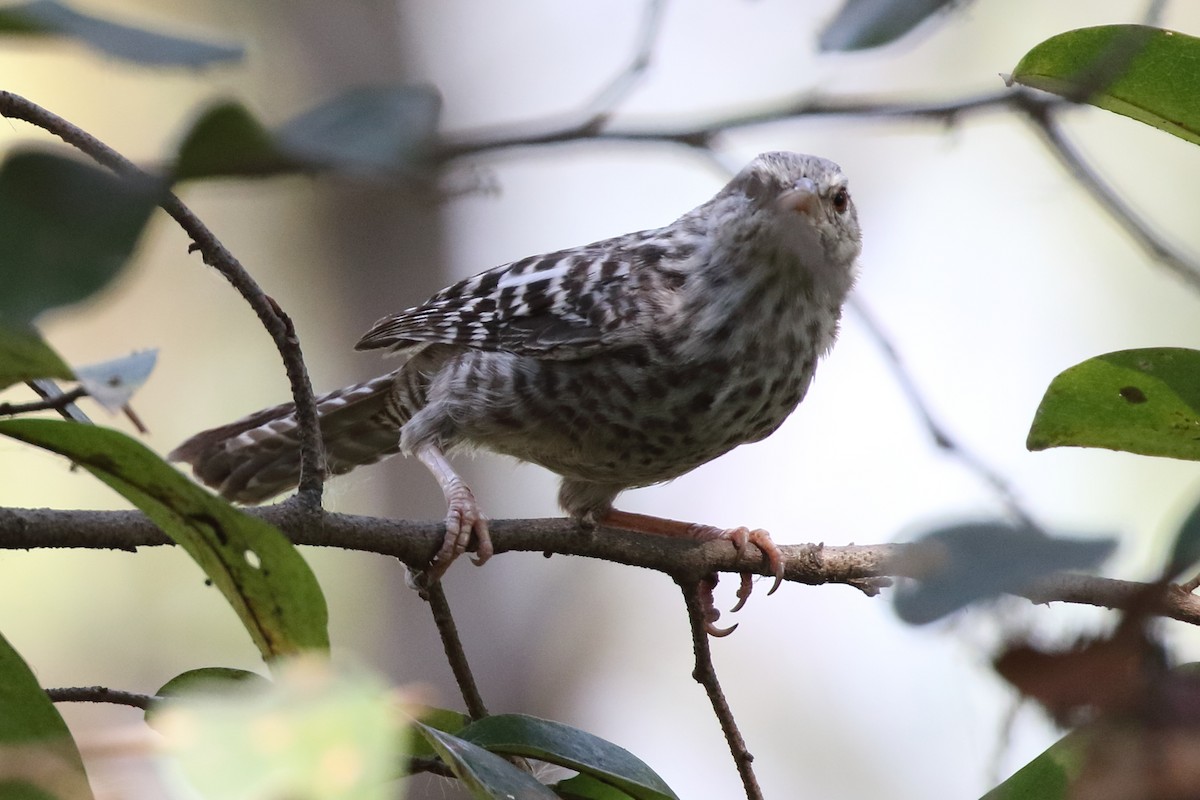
column 276, row 323
column 100, row 694
column 415, row 543
column 58, row 402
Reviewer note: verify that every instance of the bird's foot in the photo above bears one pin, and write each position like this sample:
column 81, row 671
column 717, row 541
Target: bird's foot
column 708, row 608
column 464, row 522
column 740, row 537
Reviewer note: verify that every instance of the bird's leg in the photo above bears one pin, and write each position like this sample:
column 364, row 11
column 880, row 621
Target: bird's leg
column 740, row 537
column 463, row 517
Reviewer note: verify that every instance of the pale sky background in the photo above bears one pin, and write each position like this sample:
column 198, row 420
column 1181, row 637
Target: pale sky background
column 990, row 269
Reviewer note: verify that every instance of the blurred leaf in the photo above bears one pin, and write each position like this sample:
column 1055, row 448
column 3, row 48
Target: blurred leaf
column 123, row 41
column 227, row 140
column 1186, row 551
column 1140, row 401
column 1143, row 73
column 862, row 24
column 585, row 787
column 370, row 128
column 66, row 228
column 485, row 775
column 961, row 564
column 24, row 356
column 312, row 733
column 255, row 567
column 111, row 383
column 1048, row 776
column 38, row 748
column 206, row 681
column 521, row 735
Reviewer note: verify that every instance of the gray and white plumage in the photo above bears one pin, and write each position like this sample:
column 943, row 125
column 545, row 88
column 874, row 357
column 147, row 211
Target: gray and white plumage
column 618, row 364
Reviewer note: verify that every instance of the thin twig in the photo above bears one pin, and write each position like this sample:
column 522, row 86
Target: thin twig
column 706, row 676
column 312, row 458
column 435, row 595
column 600, row 110
column 937, row 431
column 1045, row 124
column 58, row 402
column 100, row 694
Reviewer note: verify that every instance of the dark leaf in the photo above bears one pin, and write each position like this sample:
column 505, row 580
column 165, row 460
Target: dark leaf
column 33, row 734
column 585, row 787
column 123, row 41
column 861, row 24
column 228, row 141
column 1143, row 73
column 24, row 356
column 1186, row 552
column 1140, row 401
column 485, row 775
column 962, row 564
column 255, row 567
column 520, row 735
column 66, row 229
column 1048, row 776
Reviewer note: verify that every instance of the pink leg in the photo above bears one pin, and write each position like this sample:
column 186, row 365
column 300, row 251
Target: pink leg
column 463, row 518
column 740, row 537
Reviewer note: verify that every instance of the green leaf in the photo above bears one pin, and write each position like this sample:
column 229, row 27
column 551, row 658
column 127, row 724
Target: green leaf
column 1144, row 73
column 66, row 229
column 33, row 736
column 206, row 681
column 1141, row 401
column 123, row 41
column 862, row 24
column 312, row 733
column 585, row 787
column 521, row 735
column 1048, row 776
column 24, row 356
column 442, row 719
column 485, row 775
column 962, row 564
column 260, row 573
column 227, row 140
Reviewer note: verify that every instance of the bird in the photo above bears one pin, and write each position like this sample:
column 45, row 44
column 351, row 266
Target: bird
column 619, row 364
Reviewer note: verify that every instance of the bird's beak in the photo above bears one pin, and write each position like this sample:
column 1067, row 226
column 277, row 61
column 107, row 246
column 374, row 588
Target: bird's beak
column 802, row 197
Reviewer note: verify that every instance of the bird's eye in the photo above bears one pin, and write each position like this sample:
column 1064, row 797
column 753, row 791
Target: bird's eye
column 841, row 201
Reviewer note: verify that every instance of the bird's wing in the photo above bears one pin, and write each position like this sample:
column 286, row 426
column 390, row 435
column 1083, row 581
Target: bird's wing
column 563, row 305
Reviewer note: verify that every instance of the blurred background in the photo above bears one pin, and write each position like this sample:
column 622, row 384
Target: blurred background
column 986, row 265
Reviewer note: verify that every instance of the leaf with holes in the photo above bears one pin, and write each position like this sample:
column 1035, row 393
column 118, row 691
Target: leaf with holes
column 260, row 573
column 41, row 760
column 139, row 45
column 521, row 735
column 1144, row 73
column 1143, row 401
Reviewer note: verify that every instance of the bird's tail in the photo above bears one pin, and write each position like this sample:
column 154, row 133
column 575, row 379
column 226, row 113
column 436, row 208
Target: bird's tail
column 257, row 457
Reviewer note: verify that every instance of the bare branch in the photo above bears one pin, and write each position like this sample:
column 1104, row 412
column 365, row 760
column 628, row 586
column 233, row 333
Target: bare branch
column 56, row 402
column 456, row 656
column 614, row 93
column 278, row 326
column 100, row 694
column 415, row 543
column 1042, row 118
column 706, row 675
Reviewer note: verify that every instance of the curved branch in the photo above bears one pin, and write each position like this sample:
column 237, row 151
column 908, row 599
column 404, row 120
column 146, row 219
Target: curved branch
column 276, row 323
column 100, row 694
column 415, row 543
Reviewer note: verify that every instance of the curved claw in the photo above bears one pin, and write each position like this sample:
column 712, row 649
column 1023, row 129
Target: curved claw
column 708, row 608
column 743, row 592
column 463, row 522
column 719, row 633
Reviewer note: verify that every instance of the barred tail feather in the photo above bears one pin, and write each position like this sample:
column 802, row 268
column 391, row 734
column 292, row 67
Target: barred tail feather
column 258, row 457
